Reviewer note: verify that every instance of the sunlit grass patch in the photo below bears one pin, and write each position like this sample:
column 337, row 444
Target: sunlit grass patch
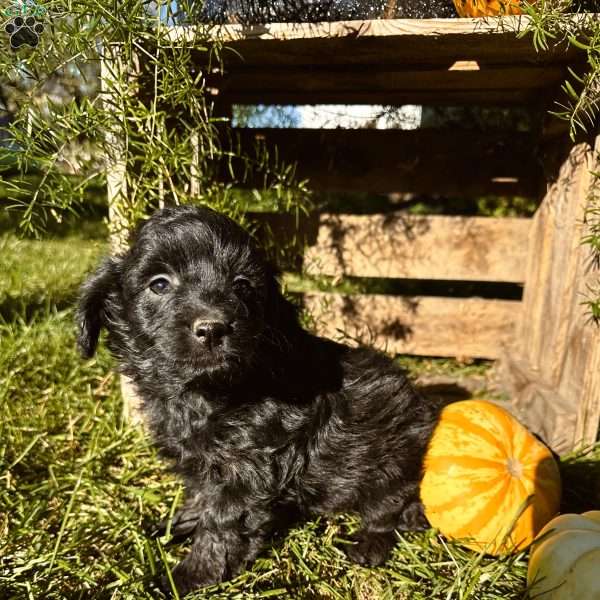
column 39, row 274
column 81, row 491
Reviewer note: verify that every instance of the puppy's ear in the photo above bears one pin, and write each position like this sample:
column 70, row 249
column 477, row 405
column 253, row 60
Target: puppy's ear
column 92, row 303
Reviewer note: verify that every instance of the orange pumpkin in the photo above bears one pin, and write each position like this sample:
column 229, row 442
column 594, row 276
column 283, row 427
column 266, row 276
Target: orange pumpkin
column 487, row 480
column 487, row 8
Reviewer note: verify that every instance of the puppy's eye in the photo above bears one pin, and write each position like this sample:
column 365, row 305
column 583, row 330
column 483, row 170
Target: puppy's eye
column 242, row 285
column 160, row 285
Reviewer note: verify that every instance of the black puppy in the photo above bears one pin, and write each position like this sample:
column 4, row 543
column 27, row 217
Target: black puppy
column 264, row 422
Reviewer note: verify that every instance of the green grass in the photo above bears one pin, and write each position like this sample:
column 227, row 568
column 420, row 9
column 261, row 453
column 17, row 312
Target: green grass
column 38, row 275
column 81, row 490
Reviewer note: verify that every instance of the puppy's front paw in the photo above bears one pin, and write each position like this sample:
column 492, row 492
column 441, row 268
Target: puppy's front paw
column 181, row 527
column 370, row 549
column 185, row 581
column 157, row 530
column 213, row 557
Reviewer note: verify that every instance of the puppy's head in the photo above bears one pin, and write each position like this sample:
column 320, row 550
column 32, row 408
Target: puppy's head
column 193, row 295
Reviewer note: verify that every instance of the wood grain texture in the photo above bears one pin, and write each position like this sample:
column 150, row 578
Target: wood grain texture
column 423, row 325
column 581, row 373
column 309, row 85
column 442, row 161
column 389, row 61
column 389, row 41
column 552, row 289
column 420, row 247
column 556, row 349
column 114, row 84
column 588, row 413
column 450, row 97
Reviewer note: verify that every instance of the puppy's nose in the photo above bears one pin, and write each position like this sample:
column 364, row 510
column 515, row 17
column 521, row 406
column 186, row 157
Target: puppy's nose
column 209, row 332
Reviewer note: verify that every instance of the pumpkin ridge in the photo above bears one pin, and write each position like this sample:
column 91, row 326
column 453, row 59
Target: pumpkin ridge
column 485, row 514
column 443, row 462
column 519, row 533
column 542, row 488
column 528, row 453
column 515, row 441
column 533, row 478
column 463, row 424
column 474, row 488
column 522, row 487
column 520, row 527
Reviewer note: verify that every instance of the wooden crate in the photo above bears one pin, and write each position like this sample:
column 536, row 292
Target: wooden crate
column 550, row 350
column 554, row 364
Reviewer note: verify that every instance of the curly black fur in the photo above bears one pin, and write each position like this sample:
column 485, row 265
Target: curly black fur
column 264, row 422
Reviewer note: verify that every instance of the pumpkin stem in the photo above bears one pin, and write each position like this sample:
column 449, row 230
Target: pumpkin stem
column 514, row 467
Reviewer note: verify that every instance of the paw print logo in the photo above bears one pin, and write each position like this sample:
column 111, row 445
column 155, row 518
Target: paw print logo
column 24, row 31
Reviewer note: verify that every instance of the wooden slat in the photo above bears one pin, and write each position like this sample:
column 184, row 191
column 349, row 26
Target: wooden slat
column 406, row 61
column 451, row 162
column 399, row 61
column 117, row 80
column 555, row 363
column 488, row 97
column 114, row 80
column 420, row 247
column 423, row 325
column 317, row 84
column 553, row 269
column 378, row 42
column 587, row 421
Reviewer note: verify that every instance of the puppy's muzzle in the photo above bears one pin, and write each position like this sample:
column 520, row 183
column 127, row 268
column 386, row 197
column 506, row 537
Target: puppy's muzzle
column 210, row 333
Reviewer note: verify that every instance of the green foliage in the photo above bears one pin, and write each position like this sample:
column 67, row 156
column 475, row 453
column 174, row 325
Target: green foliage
column 551, row 24
column 592, row 240
column 80, row 490
column 156, row 128
column 76, row 482
column 556, row 22
column 34, row 276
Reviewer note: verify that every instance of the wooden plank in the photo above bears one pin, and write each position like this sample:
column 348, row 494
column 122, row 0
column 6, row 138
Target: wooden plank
column 388, row 85
column 380, row 81
column 552, row 287
column 580, row 376
column 407, row 61
column 114, row 83
column 489, row 97
column 445, row 161
column 378, row 42
column 423, row 325
column 588, row 414
column 420, row 247
column 116, row 77
column 554, row 364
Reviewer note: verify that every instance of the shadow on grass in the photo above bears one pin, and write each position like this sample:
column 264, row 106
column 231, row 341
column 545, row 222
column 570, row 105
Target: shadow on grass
column 27, row 308
column 447, row 392
column 87, row 221
column 580, row 476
